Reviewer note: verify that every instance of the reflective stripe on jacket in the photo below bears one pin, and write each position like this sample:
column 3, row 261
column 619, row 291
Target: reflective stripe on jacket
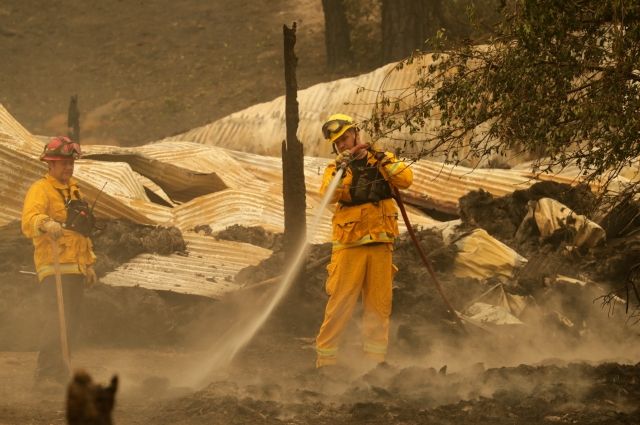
column 44, row 201
column 369, row 222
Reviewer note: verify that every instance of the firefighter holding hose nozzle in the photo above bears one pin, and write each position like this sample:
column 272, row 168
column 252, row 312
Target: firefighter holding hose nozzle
column 365, row 224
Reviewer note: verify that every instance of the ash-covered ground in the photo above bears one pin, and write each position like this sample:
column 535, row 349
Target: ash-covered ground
column 573, row 359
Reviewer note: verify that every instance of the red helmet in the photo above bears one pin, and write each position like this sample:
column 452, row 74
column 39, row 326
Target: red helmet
column 60, row 147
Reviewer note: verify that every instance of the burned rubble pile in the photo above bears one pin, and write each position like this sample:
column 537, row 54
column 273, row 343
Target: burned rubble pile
column 577, row 258
column 504, row 219
column 111, row 315
column 502, row 216
column 118, row 241
column 300, row 311
column 254, row 235
column 496, row 269
column 115, row 242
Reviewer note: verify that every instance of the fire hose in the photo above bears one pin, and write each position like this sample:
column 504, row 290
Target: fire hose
column 424, row 258
column 405, row 217
column 396, row 195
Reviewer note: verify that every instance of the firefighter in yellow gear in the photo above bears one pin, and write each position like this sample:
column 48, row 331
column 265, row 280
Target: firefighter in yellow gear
column 54, row 211
column 365, row 224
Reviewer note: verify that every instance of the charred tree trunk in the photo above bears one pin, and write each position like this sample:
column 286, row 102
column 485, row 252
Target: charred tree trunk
column 293, row 186
column 337, row 33
column 73, row 120
column 406, row 24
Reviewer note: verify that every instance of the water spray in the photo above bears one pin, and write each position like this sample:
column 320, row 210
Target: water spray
column 239, row 335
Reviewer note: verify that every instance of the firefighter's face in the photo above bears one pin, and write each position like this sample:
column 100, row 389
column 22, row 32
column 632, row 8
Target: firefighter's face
column 348, row 140
column 62, row 169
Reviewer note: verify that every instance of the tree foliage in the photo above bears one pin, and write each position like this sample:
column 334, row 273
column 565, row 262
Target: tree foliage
column 558, row 78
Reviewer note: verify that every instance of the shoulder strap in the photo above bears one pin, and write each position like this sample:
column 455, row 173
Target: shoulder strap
column 379, row 155
column 376, row 157
column 75, row 190
column 64, row 198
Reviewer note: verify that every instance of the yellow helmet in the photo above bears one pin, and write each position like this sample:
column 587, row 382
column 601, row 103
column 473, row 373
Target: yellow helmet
column 336, row 125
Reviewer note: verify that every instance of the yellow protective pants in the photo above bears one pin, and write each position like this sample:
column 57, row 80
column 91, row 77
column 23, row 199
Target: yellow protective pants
column 366, row 270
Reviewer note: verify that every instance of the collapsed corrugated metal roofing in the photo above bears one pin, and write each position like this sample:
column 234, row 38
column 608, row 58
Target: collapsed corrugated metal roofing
column 253, row 192
column 186, row 184
column 261, row 128
column 124, row 197
column 247, row 190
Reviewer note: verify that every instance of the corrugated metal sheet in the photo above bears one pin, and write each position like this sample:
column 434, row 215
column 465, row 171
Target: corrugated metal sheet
column 14, row 136
column 116, row 179
column 125, row 185
column 178, row 165
column 261, row 128
column 260, row 203
column 18, row 172
column 249, row 208
column 204, row 272
column 439, row 186
column 572, row 175
column 180, row 184
column 269, row 169
column 18, row 165
column 153, row 188
column 435, row 185
column 208, row 270
column 232, row 188
column 253, row 177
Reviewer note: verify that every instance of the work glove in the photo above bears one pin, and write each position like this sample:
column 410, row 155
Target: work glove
column 52, row 228
column 90, row 275
column 343, row 159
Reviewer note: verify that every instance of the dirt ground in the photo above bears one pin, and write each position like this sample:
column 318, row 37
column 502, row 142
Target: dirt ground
column 147, row 70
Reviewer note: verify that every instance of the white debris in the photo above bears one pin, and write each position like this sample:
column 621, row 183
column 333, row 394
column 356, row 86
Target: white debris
column 551, row 215
column 495, row 314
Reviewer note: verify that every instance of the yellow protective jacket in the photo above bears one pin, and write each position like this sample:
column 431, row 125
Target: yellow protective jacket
column 44, row 201
column 356, row 225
